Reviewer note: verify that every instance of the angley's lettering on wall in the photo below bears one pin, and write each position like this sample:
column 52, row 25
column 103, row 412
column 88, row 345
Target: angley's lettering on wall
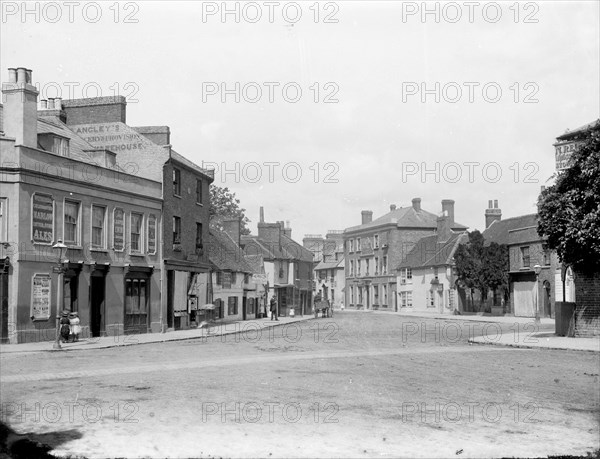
column 111, row 137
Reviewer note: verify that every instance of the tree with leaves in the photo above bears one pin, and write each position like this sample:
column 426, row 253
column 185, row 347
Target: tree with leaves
column 569, row 210
column 224, row 204
column 482, row 267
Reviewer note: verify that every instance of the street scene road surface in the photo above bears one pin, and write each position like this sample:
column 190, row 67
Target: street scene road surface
column 356, row 385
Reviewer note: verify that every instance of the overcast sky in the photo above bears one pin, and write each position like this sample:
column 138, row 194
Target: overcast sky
column 508, row 78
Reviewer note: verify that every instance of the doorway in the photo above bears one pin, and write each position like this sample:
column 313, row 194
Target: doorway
column 546, row 301
column 4, row 301
column 244, row 305
column 97, row 303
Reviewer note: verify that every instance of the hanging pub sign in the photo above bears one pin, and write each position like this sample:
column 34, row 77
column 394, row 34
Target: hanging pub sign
column 42, row 218
column 40, row 296
column 119, row 229
column 152, row 234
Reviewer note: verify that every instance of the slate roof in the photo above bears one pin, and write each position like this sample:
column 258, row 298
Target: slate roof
column 289, row 250
column 524, row 235
column 499, row 229
column 225, row 255
column 330, row 264
column 53, row 125
column 581, row 129
column 405, row 217
column 210, row 174
column 428, row 252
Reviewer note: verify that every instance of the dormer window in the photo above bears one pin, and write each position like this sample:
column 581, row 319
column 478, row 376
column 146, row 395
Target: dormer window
column 60, row 146
column 57, row 144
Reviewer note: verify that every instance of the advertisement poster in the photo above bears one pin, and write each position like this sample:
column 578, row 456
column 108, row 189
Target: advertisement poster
column 40, row 296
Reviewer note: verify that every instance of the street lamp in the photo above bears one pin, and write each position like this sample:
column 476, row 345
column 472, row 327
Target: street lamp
column 60, row 247
column 538, row 270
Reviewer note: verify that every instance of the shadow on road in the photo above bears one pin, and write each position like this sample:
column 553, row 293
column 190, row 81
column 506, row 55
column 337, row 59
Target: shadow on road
column 33, row 446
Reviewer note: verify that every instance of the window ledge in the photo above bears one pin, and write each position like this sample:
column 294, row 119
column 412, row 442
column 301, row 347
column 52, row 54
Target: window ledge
column 199, row 204
column 99, row 249
column 136, row 254
column 176, row 195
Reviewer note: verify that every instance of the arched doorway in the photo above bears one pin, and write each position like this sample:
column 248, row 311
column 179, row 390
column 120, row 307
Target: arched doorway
column 546, row 301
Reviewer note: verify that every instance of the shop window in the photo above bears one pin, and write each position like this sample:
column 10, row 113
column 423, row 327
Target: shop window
column 136, row 305
column 232, row 305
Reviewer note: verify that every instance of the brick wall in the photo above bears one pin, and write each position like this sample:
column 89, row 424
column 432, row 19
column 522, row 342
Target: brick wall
column 587, row 299
column 95, row 110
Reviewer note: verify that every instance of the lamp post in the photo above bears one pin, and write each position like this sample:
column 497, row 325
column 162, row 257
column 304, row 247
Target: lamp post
column 60, row 247
column 538, row 270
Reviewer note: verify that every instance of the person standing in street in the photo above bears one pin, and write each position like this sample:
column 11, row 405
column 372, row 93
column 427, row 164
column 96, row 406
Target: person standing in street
column 274, row 309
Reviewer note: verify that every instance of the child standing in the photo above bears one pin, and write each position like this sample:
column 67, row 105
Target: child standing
column 74, row 325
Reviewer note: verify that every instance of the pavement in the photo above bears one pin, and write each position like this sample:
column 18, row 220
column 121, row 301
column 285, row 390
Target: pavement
column 523, row 333
column 217, row 329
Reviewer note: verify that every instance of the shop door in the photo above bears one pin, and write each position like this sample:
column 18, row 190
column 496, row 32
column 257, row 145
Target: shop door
column 97, row 294
column 244, row 305
column 136, row 306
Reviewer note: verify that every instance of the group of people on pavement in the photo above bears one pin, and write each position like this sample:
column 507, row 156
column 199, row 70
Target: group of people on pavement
column 69, row 326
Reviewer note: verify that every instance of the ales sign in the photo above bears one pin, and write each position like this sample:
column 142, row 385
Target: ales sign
column 42, row 218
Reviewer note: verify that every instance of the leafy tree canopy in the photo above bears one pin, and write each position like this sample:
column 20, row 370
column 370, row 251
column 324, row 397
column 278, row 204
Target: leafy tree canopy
column 482, row 267
column 224, row 204
column 569, row 210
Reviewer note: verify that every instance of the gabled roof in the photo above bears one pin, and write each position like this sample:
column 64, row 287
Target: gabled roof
column 209, row 174
column 225, row 255
column 135, row 153
column 289, row 250
column 405, row 217
column 330, row 264
column 498, row 231
column 430, row 252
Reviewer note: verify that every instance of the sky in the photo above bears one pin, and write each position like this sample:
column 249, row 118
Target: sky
column 319, row 110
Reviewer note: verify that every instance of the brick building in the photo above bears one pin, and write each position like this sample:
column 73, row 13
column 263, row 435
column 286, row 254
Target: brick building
column 587, row 284
column 287, row 264
column 147, row 151
column 374, row 249
column 329, row 277
column 54, row 185
column 426, row 276
column 236, row 293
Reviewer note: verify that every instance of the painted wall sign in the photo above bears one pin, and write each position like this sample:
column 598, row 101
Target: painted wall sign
column 119, row 229
column 563, row 154
column 40, row 296
column 152, row 234
column 42, row 218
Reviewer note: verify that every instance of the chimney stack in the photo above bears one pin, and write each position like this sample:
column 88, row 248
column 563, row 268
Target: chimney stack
column 492, row 213
column 232, row 227
column 416, row 203
column 20, row 107
column 287, row 230
column 448, row 209
column 392, row 207
column 367, row 216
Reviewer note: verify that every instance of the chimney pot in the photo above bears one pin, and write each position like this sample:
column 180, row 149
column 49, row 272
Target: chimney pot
column 58, row 103
column 392, row 207
column 490, row 204
column 416, row 203
column 21, row 75
column 44, row 104
column 495, row 203
column 12, row 75
column 28, row 76
column 262, row 214
column 492, row 213
column 51, row 103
